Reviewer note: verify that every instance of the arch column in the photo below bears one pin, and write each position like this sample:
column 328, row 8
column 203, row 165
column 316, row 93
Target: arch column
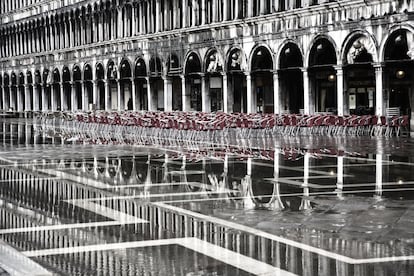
column 276, row 92
column 204, row 97
column 134, row 94
column 63, row 100
column 73, row 97
column 107, row 89
column 184, row 95
column 249, row 92
column 2, row 98
column 20, row 106
column 53, row 98
column 28, row 101
column 149, row 94
column 379, row 94
column 225, row 93
column 43, row 95
column 306, row 92
column 95, row 95
column 119, row 96
column 167, row 93
column 340, row 89
column 36, row 92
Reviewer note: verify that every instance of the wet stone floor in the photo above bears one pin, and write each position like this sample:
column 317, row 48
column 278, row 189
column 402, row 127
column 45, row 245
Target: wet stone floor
column 258, row 206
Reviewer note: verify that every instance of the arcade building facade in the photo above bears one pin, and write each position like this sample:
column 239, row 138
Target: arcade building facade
column 290, row 56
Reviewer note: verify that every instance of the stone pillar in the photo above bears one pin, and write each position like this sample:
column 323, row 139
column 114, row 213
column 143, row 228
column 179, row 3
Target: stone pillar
column 168, row 94
column 225, row 93
column 306, row 92
column 157, row 15
column 184, row 14
column 19, row 99
column 225, row 10
column 119, row 96
column 73, row 96
column 203, row 12
column 249, row 8
column 84, row 95
column 276, row 92
column 53, row 97
column 194, row 11
column 107, row 86
column 43, row 95
column 340, row 89
column 63, row 102
column 379, row 95
column 95, row 94
column 2, row 103
column 134, row 19
column 149, row 94
column 36, row 93
column 215, row 10
column 184, row 93
column 205, row 103
column 133, row 94
column 262, row 7
column 120, row 21
column 249, row 92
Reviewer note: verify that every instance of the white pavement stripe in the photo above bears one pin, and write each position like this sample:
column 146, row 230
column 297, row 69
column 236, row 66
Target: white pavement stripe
column 232, row 258
column 66, row 226
column 283, row 240
column 97, row 247
column 106, row 212
column 226, row 256
column 16, row 263
column 145, row 196
column 199, row 184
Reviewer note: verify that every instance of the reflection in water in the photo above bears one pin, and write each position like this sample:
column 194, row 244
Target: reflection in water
column 228, row 198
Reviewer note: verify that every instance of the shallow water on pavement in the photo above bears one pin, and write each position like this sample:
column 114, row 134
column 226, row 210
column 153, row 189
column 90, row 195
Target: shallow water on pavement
column 257, row 206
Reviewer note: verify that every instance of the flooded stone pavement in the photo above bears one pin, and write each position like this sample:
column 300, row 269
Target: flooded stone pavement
column 259, row 206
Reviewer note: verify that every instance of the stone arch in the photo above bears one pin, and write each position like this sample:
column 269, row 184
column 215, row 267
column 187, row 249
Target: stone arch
column 213, row 61
column 358, row 47
column 290, row 55
column 77, row 73
column 319, row 46
column 155, row 66
column 66, row 74
column 192, row 63
column 100, row 71
column 140, row 69
column 125, row 70
column 56, row 76
column 111, row 70
column 236, row 60
column 392, row 31
column 261, row 58
column 87, row 72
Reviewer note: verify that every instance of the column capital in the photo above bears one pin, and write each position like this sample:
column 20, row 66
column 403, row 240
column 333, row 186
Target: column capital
column 378, row 65
column 304, row 69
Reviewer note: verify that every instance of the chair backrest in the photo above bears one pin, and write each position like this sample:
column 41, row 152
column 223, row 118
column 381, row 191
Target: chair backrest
column 392, row 111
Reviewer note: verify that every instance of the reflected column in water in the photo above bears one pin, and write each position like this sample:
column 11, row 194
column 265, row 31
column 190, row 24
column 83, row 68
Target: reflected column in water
column 276, row 202
column 378, row 176
column 305, row 204
column 340, row 177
